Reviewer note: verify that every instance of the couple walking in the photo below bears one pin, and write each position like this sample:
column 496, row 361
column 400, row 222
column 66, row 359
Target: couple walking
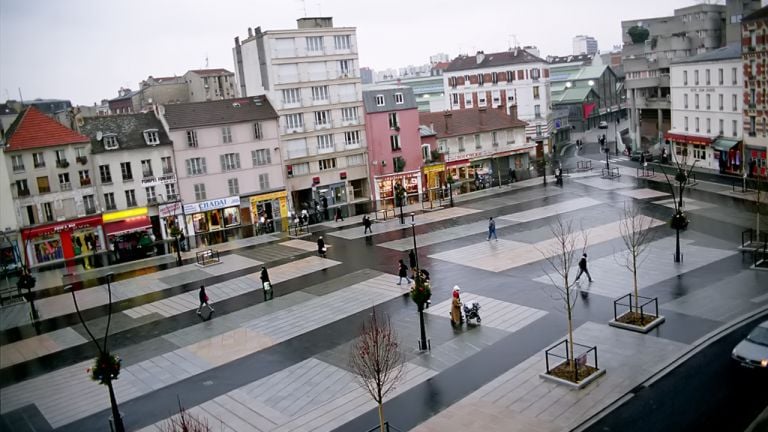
column 402, row 269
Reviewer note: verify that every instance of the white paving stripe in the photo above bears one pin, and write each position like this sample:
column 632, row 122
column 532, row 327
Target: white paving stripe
column 604, row 184
column 494, row 313
column 439, row 236
column 688, row 204
column 395, row 225
column 642, row 193
column 551, row 210
column 501, row 255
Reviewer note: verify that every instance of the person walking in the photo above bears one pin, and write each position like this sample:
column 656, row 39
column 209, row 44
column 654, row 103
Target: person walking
column 338, row 215
column 203, row 300
column 492, row 229
column 264, row 276
column 412, row 262
column 321, row 249
column 583, row 268
column 402, row 271
column 367, row 225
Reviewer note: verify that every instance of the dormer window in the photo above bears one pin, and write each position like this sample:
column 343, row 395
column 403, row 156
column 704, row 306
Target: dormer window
column 379, row 100
column 110, row 142
column 151, row 137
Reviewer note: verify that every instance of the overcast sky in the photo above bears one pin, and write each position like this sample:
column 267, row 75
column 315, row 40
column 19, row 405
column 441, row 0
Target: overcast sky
column 85, row 50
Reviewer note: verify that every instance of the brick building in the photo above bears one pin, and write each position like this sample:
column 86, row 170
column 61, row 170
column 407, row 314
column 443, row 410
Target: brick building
column 754, row 48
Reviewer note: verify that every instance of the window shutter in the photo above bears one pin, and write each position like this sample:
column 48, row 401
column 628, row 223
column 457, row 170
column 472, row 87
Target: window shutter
column 189, row 166
column 223, row 160
column 237, row 160
column 202, row 165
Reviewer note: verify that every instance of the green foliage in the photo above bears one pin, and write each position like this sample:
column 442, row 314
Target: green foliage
column 175, row 232
column 450, row 179
column 420, row 291
column 679, row 221
column 638, row 34
column 399, row 164
column 106, row 367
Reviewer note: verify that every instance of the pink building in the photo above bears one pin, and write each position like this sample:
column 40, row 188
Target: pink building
column 394, row 144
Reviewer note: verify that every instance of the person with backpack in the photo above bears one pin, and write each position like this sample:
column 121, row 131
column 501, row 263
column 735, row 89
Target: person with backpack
column 583, row 268
column 203, row 300
column 402, row 271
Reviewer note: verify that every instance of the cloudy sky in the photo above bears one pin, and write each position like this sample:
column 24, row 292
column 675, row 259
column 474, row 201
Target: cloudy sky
column 85, row 50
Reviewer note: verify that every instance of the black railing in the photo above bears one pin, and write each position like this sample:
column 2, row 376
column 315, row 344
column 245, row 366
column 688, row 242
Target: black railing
column 760, row 255
column 207, row 257
column 387, row 428
column 611, row 173
column 646, row 171
column 641, row 306
column 584, row 165
column 581, row 359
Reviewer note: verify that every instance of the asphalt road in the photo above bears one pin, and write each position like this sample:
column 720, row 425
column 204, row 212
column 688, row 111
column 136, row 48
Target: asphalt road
column 709, row 392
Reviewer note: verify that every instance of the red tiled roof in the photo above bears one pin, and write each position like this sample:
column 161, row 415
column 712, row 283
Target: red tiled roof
column 33, row 129
column 468, row 121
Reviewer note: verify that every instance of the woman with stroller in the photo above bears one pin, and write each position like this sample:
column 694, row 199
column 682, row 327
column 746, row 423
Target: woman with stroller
column 456, row 307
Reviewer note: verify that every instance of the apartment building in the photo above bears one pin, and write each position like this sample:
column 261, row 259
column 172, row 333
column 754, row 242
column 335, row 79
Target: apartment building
column 515, row 80
column 754, row 48
column 583, row 44
column 210, row 84
column 312, row 76
column 228, row 167
column 707, row 109
column 57, row 207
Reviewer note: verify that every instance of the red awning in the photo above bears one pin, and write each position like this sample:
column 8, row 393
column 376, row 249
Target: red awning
column 457, row 163
column 688, row 139
column 70, row 225
column 127, row 225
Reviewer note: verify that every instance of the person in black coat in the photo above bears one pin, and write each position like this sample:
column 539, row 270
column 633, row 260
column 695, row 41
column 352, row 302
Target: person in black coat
column 264, row 275
column 583, row 268
column 367, row 225
column 412, row 260
column 321, row 247
column 402, row 271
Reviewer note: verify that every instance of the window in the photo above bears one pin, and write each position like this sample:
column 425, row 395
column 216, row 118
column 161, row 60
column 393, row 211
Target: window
column 752, row 69
column 257, row 131
column 146, row 168
column 355, row 160
column 226, row 135
column 344, row 68
column 314, row 43
column 706, row 74
column 480, row 79
column 494, row 77
column 322, row 118
column 199, row 191
column 535, row 74
column 510, row 76
column 342, row 42
column 721, row 128
column 536, row 92
column 720, row 101
column 399, row 98
column 442, row 146
column 64, row 183
column 85, row 177
column 151, row 194
column 394, row 142
column 733, row 102
column 349, row 114
column 734, row 76
column 165, row 161
column 325, row 143
column 685, row 101
column 752, row 38
column 192, row 138
column 31, row 214
column 90, row 204
column 38, row 160
column 752, row 127
column 481, row 99
column 697, row 124
column 466, row 80
column 170, row 192
column 130, row 198
column 320, row 93
column 380, row 100
column 292, row 95
column 301, row 168
column 233, row 186
column 696, row 99
column 294, row 121
column 109, row 201
column 264, row 181
column 455, row 99
column 125, row 168
column 110, row 142
column 105, row 174
column 685, row 77
column 709, row 102
column 230, row 161
column 22, row 189
column 393, row 121
column 696, row 77
column 685, row 122
column 17, row 162
column 495, row 138
column 699, row 152
column 47, row 212
column 478, row 145
column 537, row 111
column 351, row 138
column 752, row 98
column 261, row 157
column 720, row 76
column 709, row 125
column 61, row 156
column 196, row 166
column 496, row 98
column 461, row 144
column 468, row 100
column 151, row 137
column 326, row 164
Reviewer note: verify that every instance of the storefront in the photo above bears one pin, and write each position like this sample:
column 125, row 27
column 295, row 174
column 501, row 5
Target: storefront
column 129, row 234
column 269, row 212
column 64, row 240
column 214, row 221
column 10, row 260
column 385, row 188
column 757, row 164
column 728, row 154
column 434, row 178
column 171, row 216
column 690, row 147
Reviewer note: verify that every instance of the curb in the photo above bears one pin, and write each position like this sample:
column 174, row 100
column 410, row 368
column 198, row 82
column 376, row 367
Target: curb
column 696, row 347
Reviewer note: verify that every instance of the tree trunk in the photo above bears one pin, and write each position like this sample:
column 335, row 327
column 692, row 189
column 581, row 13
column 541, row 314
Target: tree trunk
column 381, row 418
column 634, row 279
column 572, row 361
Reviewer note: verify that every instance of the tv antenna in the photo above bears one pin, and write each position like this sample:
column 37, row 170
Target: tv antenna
column 513, row 38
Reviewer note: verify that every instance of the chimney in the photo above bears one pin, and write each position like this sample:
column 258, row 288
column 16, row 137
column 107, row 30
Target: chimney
column 512, row 111
column 480, row 57
column 250, row 32
column 447, row 117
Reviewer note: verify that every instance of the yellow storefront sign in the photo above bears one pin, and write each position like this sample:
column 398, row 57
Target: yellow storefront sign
column 123, row 214
column 280, row 195
column 434, row 168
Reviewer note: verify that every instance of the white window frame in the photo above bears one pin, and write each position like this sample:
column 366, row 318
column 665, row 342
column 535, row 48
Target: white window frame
column 261, row 157
column 349, row 114
column 264, row 181
column 394, row 143
column 320, row 93
column 226, row 135
column 326, row 164
column 342, row 42
column 380, row 100
column 352, row 138
column 152, row 136
column 130, row 198
column 192, row 138
column 199, row 189
column 258, row 131
column 322, row 118
column 196, row 166
column 230, row 161
column 110, row 142
column 399, row 99
column 325, row 143
column 233, row 185
column 315, row 43
column 291, row 96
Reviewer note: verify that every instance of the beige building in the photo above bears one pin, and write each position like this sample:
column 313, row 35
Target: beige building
column 162, row 90
column 210, row 84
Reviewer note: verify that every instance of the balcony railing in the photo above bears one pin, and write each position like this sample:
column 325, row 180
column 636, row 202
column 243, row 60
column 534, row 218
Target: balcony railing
column 62, row 163
column 82, row 160
column 172, row 197
column 43, row 190
column 18, row 168
column 111, row 207
column 23, row 192
column 167, row 170
column 65, row 186
column 152, row 201
column 85, row 181
column 90, row 210
column 39, row 164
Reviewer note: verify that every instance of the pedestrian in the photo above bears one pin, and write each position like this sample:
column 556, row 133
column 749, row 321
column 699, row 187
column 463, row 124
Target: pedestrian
column 203, row 300
column 492, row 229
column 402, row 271
column 367, row 225
column 338, row 214
column 321, row 249
column 583, row 268
column 425, row 278
column 264, row 275
column 456, row 306
column 412, row 261
column 559, row 176
column 514, row 176
column 182, row 242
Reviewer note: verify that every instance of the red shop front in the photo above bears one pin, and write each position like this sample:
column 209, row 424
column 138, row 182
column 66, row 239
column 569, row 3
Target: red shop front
column 63, row 240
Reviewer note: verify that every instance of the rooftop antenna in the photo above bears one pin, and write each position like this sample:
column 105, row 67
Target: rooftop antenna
column 206, row 60
column 319, row 10
column 21, row 98
column 514, row 38
column 304, row 6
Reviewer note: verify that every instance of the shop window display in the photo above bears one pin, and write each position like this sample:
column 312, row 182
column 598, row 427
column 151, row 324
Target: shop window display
column 48, row 248
column 231, row 216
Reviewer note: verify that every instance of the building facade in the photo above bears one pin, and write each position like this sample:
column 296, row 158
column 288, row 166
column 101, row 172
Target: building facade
column 228, row 167
column 735, row 11
column 312, row 76
column 394, row 144
column 707, row 110
column 596, row 85
column 210, row 84
column 514, row 81
column 754, row 47
column 428, row 91
column 583, row 44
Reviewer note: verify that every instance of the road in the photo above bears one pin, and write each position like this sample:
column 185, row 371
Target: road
column 709, row 392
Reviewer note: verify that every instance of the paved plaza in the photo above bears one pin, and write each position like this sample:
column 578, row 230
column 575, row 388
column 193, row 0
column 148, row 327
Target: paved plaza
column 283, row 364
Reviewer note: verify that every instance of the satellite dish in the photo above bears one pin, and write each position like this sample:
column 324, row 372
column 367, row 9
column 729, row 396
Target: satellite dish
column 98, row 136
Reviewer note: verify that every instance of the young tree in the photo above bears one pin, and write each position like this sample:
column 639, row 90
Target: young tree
column 377, row 361
column 682, row 177
column 561, row 257
column 635, row 231
column 184, row 421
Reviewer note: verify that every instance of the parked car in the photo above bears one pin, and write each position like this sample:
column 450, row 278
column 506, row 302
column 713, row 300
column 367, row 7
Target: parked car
column 637, row 155
column 752, row 352
column 602, row 125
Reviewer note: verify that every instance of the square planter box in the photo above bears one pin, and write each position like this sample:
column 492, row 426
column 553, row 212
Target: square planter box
column 576, row 386
column 650, row 326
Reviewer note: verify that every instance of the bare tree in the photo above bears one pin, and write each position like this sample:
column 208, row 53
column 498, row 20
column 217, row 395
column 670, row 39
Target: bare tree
column 377, row 361
column 635, row 231
column 561, row 257
column 184, row 421
column 682, row 177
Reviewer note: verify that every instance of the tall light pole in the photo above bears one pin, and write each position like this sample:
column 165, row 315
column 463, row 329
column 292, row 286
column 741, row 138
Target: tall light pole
column 419, row 285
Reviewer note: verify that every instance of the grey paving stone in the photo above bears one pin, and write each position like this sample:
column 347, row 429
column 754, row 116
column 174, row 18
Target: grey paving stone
column 341, row 282
column 271, row 252
column 190, row 275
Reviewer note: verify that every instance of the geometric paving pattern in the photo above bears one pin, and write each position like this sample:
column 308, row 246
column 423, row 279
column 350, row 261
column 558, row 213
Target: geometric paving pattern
column 494, row 313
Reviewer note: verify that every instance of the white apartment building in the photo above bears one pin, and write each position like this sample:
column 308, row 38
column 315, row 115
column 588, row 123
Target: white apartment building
column 515, row 80
column 707, row 105
column 583, row 44
column 229, row 168
column 210, row 84
column 312, row 76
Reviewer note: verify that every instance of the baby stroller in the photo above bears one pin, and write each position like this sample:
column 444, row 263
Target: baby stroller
column 472, row 311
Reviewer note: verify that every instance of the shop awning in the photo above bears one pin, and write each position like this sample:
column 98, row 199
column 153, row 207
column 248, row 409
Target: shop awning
column 724, row 144
column 689, row 139
column 127, row 225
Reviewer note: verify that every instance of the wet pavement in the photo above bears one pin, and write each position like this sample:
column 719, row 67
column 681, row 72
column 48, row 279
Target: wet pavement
column 282, row 364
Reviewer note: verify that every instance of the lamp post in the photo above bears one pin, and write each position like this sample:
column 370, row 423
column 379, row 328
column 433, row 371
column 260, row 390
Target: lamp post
column 607, row 162
column 418, row 281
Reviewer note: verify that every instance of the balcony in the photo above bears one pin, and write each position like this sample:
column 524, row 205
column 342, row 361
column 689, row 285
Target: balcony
column 152, row 201
column 172, row 197
column 40, row 164
column 752, row 105
column 293, row 129
column 85, row 181
column 65, row 186
column 23, row 193
column 167, row 170
column 111, row 206
column 62, row 163
column 147, row 174
column 82, row 160
column 18, row 168
column 89, row 210
column 641, row 83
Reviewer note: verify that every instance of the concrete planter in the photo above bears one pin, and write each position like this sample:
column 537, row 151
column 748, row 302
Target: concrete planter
column 576, row 386
column 648, row 327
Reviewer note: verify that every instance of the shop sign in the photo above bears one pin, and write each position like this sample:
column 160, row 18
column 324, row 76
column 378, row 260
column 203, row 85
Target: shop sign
column 462, row 156
column 172, row 209
column 124, row 214
column 434, row 168
column 164, row 179
column 66, row 226
column 203, row 206
column 269, row 196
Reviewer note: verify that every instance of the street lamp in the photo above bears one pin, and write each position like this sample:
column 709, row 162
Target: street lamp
column 419, row 298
